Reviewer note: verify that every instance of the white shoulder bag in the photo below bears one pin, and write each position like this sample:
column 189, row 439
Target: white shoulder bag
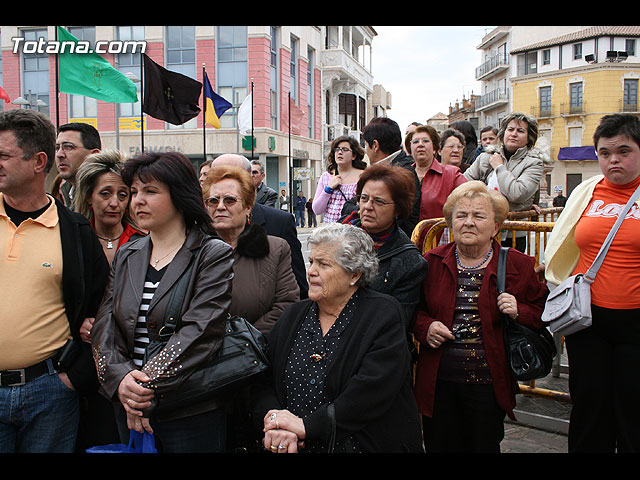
column 568, row 306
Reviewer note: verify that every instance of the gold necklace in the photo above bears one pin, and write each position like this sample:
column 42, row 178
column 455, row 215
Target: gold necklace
column 155, row 262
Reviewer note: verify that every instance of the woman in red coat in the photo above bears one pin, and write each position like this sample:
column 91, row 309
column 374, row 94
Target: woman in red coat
column 463, row 385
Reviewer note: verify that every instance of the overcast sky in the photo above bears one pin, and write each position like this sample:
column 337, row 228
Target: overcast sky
column 426, row 68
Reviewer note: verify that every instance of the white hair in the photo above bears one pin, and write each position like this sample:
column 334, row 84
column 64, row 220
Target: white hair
column 353, row 249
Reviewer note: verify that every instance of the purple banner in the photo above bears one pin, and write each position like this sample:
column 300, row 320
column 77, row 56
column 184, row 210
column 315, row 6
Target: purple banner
column 577, row 153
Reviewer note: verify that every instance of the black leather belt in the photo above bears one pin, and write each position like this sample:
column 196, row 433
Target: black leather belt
column 20, row 376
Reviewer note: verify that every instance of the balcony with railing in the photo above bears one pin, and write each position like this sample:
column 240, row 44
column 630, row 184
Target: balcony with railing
column 629, row 106
column 573, row 108
column 544, row 111
column 492, row 99
column 497, row 63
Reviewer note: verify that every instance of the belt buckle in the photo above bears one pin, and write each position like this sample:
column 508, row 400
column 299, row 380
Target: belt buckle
column 16, row 384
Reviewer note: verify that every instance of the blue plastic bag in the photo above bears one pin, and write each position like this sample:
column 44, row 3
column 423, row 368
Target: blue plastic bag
column 138, row 443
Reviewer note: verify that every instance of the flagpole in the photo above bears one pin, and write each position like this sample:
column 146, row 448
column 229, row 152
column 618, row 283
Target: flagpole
column 290, row 159
column 57, row 84
column 252, row 99
column 142, row 102
column 204, row 116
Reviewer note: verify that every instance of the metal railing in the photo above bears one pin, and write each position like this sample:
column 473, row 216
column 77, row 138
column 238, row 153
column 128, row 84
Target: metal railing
column 539, row 224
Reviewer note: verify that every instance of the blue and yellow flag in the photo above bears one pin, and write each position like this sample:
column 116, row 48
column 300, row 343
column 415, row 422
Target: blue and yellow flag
column 214, row 105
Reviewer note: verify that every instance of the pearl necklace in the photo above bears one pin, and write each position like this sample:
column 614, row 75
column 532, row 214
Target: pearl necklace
column 477, row 266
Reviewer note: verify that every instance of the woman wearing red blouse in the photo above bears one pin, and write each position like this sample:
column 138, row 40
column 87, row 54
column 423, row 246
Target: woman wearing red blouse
column 437, row 180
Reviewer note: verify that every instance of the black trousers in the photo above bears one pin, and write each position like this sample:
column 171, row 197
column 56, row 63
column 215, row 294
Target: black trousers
column 466, row 418
column 604, row 361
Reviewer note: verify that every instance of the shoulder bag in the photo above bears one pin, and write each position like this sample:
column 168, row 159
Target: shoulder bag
column 568, row 306
column 240, row 357
column 530, row 352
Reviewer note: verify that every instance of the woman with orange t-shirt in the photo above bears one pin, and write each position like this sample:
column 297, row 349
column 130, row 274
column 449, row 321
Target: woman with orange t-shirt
column 604, row 416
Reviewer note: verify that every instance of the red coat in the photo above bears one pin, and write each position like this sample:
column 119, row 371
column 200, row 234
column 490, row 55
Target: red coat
column 439, row 181
column 439, row 290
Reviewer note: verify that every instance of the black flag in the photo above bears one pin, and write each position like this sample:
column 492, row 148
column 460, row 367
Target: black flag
column 169, row 96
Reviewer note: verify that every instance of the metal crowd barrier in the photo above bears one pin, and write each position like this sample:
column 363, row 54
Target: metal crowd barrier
column 539, row 224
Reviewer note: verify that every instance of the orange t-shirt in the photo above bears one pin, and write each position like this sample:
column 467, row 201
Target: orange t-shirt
column 617, row 284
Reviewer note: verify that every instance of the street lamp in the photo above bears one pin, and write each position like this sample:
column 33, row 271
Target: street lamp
column 29, row 103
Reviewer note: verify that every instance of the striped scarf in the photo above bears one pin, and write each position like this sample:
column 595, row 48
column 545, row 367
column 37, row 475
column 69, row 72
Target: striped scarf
column 378, row 238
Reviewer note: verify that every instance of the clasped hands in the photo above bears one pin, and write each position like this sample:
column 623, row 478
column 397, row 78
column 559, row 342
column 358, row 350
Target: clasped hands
column 283, row 432
column 135, row 398
column 438, row 333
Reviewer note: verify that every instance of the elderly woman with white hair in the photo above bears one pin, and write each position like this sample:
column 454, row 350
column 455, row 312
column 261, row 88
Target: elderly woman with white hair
column 340, row 376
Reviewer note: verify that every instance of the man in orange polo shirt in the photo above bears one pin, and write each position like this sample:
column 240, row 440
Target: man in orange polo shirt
column 52, row 275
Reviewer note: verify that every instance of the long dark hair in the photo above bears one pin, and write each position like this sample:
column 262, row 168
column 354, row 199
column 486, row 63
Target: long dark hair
column 358, row 154
column 175, row 170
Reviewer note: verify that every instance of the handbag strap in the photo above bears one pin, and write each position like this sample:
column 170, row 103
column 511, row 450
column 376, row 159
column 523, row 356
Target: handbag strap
column 502, row 269
column 501, row 282
column 172, row 313
column 595, row 266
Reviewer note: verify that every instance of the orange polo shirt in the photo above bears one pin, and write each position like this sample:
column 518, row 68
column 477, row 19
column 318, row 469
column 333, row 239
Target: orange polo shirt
column 617, row 284
column 33, row 320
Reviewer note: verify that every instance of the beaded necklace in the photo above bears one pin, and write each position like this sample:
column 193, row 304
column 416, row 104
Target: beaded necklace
column 464, row 267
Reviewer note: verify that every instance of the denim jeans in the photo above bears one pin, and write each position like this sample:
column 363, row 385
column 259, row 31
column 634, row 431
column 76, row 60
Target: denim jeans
column 40, row 416
column 300, row 218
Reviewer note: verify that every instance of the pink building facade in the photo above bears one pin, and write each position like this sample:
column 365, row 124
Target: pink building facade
column 263, row 52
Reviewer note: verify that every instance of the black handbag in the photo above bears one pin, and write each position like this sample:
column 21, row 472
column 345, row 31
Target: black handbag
column 530, row 352
column 240, row 357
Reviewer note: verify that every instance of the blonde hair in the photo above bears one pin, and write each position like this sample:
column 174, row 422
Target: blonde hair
column 476, row 189
column 95, row 165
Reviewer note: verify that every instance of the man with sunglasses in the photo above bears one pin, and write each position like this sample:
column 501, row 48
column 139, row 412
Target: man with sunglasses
column 75, row 142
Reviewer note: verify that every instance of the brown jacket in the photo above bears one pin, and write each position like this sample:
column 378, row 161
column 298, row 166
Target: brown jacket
column 203, row 313
column 263, row 283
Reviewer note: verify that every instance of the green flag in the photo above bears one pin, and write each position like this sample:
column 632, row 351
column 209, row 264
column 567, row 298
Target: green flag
column 91, row 75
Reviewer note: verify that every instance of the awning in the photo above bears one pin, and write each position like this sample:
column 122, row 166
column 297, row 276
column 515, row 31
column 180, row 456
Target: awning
column 577, row 153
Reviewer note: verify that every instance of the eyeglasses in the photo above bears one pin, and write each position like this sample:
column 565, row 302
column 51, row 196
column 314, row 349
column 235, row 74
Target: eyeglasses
column 228, row 200
column 256, row 172
column 457, row 146
column 420, row 140
column 377, row 201
column 66, row 146
column 341, row 149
